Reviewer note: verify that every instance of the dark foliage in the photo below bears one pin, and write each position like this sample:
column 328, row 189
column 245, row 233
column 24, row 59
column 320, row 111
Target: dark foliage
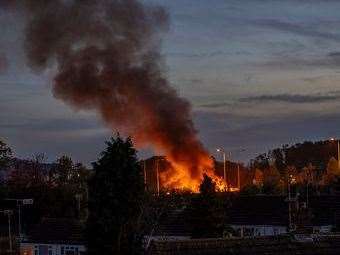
column 5, row 155
column 206, row 214
column 115, row 201
column 299, row 155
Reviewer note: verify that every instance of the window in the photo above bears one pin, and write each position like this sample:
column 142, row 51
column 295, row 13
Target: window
column 62, row 250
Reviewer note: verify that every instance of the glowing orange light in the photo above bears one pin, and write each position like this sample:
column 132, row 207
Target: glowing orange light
column 179, row 178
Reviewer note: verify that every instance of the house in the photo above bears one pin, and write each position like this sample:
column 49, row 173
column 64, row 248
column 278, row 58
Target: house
column 325, row 212
column 171, row 226
column 260, row 215
column 54, row 237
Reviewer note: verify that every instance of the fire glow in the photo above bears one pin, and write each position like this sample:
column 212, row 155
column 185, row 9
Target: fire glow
column 177, row 177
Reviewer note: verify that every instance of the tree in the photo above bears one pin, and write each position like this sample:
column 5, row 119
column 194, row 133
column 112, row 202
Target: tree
column 271, row 182
column 206, row 214
column 332, row 167
column 207, row 187
column 271, row 176
column 29, row 179
column 28, row 173
column 307, row 175
column 116, row 194
column 62, row 171
column 333, row 171
column 5, row 155
column 258, row 177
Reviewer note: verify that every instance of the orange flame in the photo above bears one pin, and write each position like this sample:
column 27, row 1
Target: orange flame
column 179, row 176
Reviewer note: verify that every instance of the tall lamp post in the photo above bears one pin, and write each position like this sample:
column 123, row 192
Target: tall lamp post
column 291, row 180
column 9, row 214
column 224, row 164
column 338, row 150
column 225, row 169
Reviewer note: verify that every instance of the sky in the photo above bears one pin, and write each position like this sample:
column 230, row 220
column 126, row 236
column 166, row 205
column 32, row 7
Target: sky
column 259, row 74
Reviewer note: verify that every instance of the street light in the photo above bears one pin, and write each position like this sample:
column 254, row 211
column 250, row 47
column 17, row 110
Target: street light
column 224, row 164
column 291, row 180
column 9, row 214
column 338, row 150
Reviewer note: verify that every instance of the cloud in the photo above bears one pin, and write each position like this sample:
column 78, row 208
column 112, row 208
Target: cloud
column 207, row 54
column 293, row 98
column 329, row 60
column 298, row 29
column 215, row 105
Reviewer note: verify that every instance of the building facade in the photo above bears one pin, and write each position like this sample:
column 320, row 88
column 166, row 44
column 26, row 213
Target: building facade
column 54, row 237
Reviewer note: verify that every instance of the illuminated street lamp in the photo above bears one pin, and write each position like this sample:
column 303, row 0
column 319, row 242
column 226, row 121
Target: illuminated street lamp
column 338, row 150
column 224, row 164
column 291, row 180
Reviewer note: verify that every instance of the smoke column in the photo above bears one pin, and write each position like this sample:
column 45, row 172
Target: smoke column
column 107, row 54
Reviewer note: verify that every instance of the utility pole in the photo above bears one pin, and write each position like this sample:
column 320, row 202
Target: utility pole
column 9, row 213
column 338, row 154
column 291, row 179
column 307, row 194
column 338, row 150
column 144, row 169
column 238, row 177
column 19, row 216
column 224, row 166
column 289, row 206
column 157, row 173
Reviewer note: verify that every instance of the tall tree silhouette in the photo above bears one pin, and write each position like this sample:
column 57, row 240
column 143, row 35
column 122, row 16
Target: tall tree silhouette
column 5, row 154
column 115, row 201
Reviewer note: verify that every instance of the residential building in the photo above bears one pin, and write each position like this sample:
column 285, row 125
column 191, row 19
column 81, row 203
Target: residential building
column 54, row 237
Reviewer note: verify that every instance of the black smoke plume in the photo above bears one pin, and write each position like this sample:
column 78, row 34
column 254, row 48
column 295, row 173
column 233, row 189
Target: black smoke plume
column 108, row 59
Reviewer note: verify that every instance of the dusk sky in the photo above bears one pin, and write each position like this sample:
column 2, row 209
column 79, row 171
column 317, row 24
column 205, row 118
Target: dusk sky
column 259, row 74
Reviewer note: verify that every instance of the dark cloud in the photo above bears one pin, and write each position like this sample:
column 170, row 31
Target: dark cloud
column 298, row 29
column 293, row 98
column 334, row 54
column 210, row 54
column 334, row 57
column 52, row 125
column 329, row 60
column 215, row 105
